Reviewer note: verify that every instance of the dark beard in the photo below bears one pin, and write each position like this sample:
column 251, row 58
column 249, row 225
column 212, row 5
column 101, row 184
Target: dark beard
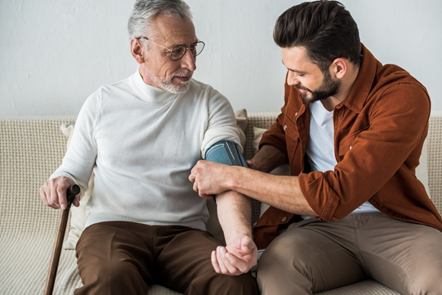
column 328, row 88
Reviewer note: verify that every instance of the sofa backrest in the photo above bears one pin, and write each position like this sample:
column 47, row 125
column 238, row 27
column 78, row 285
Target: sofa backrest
column 435, row 159
column 30, row 151
column 32, row 148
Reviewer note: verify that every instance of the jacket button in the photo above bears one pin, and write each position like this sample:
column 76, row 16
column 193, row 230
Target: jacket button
column 296, row 114
column 284, row 219
column 351, row 147
column 285, row 127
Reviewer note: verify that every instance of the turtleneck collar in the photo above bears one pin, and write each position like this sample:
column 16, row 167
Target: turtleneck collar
column 149, row 93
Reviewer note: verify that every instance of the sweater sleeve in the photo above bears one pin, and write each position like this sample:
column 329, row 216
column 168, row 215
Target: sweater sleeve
column 80, row 156
column 222, row 122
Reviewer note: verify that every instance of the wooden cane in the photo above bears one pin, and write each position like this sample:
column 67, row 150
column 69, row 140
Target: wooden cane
column 64, row 215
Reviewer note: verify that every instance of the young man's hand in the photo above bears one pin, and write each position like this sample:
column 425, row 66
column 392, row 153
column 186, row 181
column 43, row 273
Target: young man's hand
column 210, row 178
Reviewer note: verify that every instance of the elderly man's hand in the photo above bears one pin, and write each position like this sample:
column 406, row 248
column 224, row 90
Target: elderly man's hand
column 210, row 178
column 237, row 258
column 53, row 193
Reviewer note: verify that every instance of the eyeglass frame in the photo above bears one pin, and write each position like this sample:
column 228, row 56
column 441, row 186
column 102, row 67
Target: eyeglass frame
column 185, row 48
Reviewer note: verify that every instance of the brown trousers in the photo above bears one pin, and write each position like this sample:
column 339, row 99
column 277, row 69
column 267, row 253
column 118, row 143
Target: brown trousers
column 313, row 256
column 126, row 258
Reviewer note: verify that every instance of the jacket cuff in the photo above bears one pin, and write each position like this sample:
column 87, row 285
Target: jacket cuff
column 323, row 200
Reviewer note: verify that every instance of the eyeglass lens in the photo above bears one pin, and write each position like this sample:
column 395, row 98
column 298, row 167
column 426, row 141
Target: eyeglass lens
column 179, row 51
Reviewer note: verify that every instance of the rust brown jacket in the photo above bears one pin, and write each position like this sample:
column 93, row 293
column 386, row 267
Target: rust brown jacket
column 379, row 131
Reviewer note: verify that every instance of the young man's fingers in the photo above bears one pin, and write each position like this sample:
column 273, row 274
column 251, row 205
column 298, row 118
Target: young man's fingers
column 195, row 187
column 225, row 263
column 239, row 264
column 220, row 260
column 215, row 262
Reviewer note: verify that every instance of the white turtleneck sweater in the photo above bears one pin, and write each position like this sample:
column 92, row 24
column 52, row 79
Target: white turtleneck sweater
column 141, row 143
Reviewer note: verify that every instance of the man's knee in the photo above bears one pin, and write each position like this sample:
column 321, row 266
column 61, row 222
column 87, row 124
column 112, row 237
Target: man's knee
column 117, row 278
column 284, row 267
column 281, row 252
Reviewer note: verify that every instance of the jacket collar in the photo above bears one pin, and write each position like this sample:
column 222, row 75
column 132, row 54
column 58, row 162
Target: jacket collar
column 363, row 84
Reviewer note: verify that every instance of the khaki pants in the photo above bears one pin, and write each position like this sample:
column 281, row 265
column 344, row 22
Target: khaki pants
column 313, row 256
column 125, row 258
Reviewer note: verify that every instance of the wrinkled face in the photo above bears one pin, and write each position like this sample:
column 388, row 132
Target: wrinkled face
column 158, row 69
column 313, row 84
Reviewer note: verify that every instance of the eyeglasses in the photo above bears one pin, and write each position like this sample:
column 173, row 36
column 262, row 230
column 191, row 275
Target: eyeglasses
column 179, row 51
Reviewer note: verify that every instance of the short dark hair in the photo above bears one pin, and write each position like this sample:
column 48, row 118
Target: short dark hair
column 325, row 28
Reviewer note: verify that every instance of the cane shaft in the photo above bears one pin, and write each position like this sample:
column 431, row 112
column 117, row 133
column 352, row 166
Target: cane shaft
column 56, row 252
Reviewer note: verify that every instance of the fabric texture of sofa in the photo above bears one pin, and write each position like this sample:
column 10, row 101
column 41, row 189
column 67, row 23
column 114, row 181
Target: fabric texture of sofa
column 31, row 148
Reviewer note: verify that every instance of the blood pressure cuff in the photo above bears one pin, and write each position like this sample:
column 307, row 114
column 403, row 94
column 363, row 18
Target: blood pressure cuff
column 225, row 152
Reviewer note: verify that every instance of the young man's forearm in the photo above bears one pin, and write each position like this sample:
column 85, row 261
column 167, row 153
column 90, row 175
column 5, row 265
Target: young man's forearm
column 278, row 191
column 282, row 192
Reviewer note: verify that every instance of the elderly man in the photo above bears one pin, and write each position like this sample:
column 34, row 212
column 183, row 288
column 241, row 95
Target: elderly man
column 140, row 137
column 352, row 131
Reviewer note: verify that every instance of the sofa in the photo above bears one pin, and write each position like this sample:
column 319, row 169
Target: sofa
column 31, row 148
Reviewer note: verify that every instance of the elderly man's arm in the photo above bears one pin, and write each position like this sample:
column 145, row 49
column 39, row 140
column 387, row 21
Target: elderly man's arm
column 240, row 253
column 234, row 215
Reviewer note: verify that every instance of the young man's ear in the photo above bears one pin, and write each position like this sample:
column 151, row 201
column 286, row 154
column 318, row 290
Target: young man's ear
column 339, row 67
column 136, row 48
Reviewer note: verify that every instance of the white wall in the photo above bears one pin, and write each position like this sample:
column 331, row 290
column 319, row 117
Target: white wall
column 55, row 53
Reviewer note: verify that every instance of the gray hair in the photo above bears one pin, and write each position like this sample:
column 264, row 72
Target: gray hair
column 145, row 10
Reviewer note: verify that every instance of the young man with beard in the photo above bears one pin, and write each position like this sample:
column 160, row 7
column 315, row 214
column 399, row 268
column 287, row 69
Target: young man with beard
column 140, row 137
column 352, row 131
